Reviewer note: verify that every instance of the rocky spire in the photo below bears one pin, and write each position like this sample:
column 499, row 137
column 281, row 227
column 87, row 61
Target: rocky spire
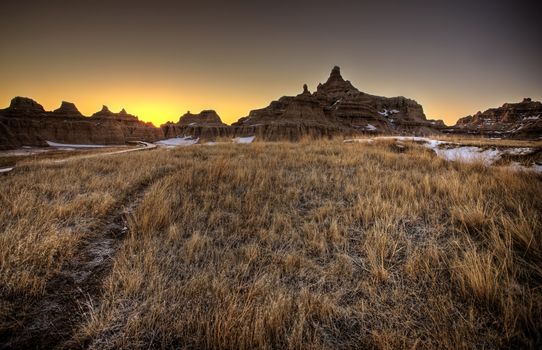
column 67, row 109
column 336, row 74
column 105, row 109
column 123, row 112
column 305, row 90
column 336, row 85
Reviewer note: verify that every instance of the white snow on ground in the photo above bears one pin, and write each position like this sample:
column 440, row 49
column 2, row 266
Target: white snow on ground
column 178, row 141
column 5, row 170
column 69, row 145
column 387, row 113
column 358, row 141
column 25, row 151
column 248, row 139
column 519, row 151
column 370, row 127
column 455, row 152
column 468, row 154
column 537, row 168
column 336, row 102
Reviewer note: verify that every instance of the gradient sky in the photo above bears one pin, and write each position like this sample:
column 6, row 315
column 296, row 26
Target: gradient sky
column 159, row 59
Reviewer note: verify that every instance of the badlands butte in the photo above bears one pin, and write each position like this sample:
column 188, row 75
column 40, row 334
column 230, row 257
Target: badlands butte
column 336, row 108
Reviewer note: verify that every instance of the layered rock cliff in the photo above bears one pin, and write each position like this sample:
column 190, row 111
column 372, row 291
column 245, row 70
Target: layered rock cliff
column 336, row 108
column 26, row 123
column 518, row 120
column 206, row 125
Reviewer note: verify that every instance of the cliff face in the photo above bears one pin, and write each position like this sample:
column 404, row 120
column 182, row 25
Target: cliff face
column 206, row 125
column 519, row 120
column 26, row 123
column 337, row 108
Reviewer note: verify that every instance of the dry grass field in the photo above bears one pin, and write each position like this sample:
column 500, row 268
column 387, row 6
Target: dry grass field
column 310, row 245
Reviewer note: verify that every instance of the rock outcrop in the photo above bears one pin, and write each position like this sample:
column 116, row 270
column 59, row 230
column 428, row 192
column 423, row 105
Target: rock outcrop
column 515, row 120
column 66, row 110
column 26, row 123
column 206, row 125
column 336, row 108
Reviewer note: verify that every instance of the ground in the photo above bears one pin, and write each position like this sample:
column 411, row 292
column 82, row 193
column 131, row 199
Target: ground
column 317, row 244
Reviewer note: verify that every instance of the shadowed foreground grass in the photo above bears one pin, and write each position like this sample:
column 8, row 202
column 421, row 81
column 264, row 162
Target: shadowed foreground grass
column 313, row 245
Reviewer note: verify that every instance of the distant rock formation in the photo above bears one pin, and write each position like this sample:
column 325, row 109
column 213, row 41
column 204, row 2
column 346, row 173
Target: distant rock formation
column 336, row 108
column 206, row 124
column 24, row 106
column 67, row 109
column 26, row 123
column 517, row 120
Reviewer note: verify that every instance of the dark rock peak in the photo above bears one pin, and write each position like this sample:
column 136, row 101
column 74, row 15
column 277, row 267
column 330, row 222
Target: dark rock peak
column 306, row 89
column 26, row 105
column 336, row 85
column 68, row 109
column 336, row 74
column 205, row 117
column 527, row 99
column 106, row 113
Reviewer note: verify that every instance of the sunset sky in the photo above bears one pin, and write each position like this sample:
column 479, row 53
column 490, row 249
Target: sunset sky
column 159, row 59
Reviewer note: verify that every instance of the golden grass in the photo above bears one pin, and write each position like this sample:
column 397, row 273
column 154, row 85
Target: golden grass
column 307, row 245
column 47, row 209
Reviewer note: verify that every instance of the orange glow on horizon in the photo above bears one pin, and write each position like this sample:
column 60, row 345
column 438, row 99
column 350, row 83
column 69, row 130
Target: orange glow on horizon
column 161, row 110
column 169, row 101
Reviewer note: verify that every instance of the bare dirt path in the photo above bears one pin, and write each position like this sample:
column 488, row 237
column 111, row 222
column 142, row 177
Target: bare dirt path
column 143, row 146
column 50, row 321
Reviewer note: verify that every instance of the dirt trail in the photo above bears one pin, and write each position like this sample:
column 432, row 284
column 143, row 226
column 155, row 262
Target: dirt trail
column 143, row 146
column 51, row 320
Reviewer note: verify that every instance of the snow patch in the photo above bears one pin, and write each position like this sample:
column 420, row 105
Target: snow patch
column 70, row 146
column 370, row 127
column 454, row 152
column 358, row 141
column 468, row 154
column 537, row 168
column 178, row 141
column 5, row 170
column 248, row 139
column 387, row 113
column 518, row 151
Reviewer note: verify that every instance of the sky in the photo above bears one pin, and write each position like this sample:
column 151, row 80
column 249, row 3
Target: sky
column 159, row 59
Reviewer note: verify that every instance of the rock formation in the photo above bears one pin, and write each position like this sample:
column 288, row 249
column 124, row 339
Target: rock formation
column 517, row 120
column 67, row 109
column 206, row 124
column 336, row 108
column 26, row 123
